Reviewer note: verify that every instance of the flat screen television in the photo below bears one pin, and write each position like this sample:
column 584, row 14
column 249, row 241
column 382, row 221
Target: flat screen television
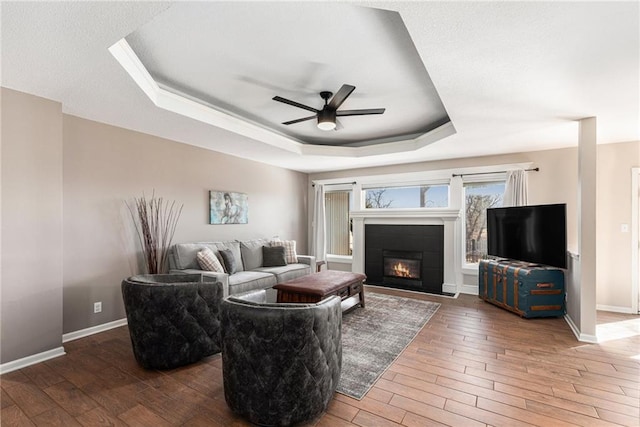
column 535, row 234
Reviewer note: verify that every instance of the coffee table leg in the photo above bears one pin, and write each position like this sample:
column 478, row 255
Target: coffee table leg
column 362, row 296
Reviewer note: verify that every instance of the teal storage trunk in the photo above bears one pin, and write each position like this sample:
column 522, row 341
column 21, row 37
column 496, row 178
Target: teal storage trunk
column 530, row 290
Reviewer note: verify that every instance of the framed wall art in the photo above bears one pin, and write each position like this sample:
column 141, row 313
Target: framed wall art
column 227, row 207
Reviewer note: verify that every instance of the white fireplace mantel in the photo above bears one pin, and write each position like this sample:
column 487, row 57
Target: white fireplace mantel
column 446, row 217
column 400, row 214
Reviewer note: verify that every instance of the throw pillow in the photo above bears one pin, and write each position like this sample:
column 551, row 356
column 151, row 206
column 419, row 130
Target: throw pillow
column 208, row 261
column 220, row 260
column 273, row 256
column 289, row 249
column 230, row 263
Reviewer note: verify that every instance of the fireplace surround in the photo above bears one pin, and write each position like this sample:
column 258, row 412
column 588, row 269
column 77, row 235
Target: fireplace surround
column 448, row 218
column 405, row 256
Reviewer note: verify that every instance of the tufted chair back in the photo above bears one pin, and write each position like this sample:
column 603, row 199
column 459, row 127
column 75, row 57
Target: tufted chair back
column 173, row 319
column 281, row 362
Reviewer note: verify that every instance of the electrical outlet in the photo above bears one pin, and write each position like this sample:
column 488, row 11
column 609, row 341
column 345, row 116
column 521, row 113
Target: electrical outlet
column 97, row 307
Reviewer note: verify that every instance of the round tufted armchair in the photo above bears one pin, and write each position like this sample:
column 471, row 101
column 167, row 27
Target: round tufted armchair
column 173, row 319
column 281, row 363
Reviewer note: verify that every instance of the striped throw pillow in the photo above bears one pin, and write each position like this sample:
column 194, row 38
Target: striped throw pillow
column 209, row 261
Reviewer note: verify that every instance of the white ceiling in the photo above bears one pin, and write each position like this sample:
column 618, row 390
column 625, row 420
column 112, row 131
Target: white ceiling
column 513, row 76
column 294, row 50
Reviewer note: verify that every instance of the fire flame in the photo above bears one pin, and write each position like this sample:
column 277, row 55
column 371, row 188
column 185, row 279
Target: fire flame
column 401, row 270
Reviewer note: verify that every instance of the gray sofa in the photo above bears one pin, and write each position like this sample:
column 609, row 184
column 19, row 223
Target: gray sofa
column 251, row 274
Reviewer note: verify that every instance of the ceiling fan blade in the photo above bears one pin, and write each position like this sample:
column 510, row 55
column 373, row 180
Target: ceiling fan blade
column 339, row 97
column 360, row 112
column 338, row 125
column 294, row 103
column 304, row 119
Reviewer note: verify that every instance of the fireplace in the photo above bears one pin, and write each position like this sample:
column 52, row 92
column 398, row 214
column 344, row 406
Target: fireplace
column 405, row 256
column 402, row 268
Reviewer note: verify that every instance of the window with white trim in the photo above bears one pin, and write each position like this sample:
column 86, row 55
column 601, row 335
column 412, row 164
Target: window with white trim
column 409, row 196
column 478, row 197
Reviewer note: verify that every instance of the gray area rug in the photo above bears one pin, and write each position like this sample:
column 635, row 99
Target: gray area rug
column 374, row 336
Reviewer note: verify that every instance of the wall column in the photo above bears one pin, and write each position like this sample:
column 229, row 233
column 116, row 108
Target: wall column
column 587, row 156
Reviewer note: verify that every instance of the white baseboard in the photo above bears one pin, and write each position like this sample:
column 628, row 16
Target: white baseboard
column 31, row 360
column 93, row 330
column 56, row 352
column 450, row 288
column 469, row 289
column 592, row 339
column 576, row 331
column 572, row 325
column 615, row 309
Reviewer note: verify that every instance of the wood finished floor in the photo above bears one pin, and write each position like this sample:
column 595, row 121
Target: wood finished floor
column 472, row 365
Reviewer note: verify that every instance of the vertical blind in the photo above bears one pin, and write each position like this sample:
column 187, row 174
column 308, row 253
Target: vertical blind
column 337, row 214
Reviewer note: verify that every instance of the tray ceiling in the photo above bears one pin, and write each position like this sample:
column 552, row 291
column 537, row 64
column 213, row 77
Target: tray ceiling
column 513, row 76
column 199, row 51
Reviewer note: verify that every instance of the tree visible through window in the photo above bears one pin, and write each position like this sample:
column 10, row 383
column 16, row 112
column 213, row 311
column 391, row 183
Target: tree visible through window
column 415, row 196
column 375, row 199
column 478, row 198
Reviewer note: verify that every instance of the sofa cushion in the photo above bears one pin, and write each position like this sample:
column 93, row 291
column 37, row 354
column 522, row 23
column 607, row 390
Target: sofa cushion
column 250, row 280
column 251, row 251
column 287, row 272
column 273, row 256
column 185, row 254
column 209, row 261
column 230, row 263
column 289, row 247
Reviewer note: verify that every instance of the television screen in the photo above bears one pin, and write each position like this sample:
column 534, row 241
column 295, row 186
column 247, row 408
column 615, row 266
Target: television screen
column 535, row 234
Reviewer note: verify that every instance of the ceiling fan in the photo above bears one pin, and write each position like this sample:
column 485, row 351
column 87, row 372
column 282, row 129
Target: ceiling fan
column 327, row 115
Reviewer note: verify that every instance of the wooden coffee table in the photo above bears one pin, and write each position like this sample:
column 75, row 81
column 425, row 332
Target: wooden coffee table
column 317, row 286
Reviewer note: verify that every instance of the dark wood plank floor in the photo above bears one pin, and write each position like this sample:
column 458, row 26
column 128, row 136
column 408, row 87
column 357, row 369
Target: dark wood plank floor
column 472, row 365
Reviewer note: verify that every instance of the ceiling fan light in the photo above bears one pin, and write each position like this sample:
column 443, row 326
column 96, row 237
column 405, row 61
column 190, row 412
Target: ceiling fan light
column 326, row 125
column 326, row 119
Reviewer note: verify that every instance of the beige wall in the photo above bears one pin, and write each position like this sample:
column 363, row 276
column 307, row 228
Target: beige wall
column 613, row 248
column 32, row 286
column 557, row 182
column 67, row 236
column 105, row 166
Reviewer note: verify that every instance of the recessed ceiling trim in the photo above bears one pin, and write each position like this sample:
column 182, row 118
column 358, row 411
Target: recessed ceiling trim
column 174, row 102
column 422, row 141
column 196, row 110
column 189, row 106
column 132, row 65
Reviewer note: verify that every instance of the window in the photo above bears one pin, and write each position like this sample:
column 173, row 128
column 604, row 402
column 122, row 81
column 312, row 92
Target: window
column 338, row 224
column 478, row 197
column 416, row 196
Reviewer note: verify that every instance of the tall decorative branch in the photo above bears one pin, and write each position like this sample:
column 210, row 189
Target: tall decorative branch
column 155, row 223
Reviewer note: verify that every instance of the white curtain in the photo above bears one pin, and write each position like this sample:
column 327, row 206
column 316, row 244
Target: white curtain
column 318, row 239
column 516, row 189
